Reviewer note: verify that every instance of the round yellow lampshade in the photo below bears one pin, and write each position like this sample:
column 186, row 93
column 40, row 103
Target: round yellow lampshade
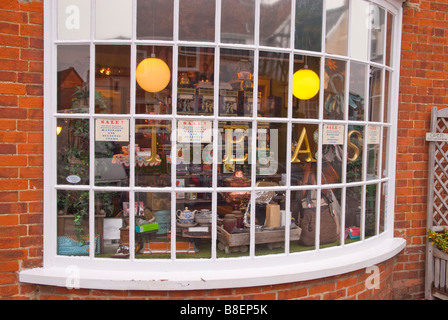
column 305, row 84
column 153, row 74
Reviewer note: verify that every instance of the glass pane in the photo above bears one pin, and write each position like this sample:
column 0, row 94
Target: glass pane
column 305, row 100
column 195, row 93
column 332, row 152
column 334, row 94
column 275, row 23
column 73, row 19
column 356, row 103
column 235, row 83
column 234, row 160
column 73, row 237
column 111, row 224
column 73, row 79
column 389, row 35
column 194, row 153
column 238, row 21
column 307, row 220
column 271, row 153
column 273, row 84
column 295, row 244
column 373, row 137
column 112, row 79
column 197, row 20
column 377, row 16
column 353, row 207
column 233, row 231
column 375, row 94
column 371, row 210
column 112, row 152
column 387, row 96
column 155, row 19
column 336, row 35
column 304, row 146
column 113, row 19
column 355, row 139
column 359, row 30
column 73, row 144
column 330, row 218
column 154, row 81
column 270, row 216
column 193, row 225
column 383, row 207
column 384, row 157
column 152, row 169
column 308, row 33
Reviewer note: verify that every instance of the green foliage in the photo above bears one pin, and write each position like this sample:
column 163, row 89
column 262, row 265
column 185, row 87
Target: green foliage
column 440, row 239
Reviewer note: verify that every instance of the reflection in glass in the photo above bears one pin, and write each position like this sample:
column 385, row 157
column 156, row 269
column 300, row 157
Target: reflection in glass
column 377, row 15
column 389, row 39
column 373, row 150
column 195, row 93
column 273, row 84
column 336, row 35
column 73, row 224
column 371, row 210
column 330, row 218
column 332, row 153
column 155, row 19
column 375, row 94
column 112, row 224
column 383, row 207
column 238, row 21
column 153, row 153
column 275, row 23
column 112, row 79
column 353, row 205
column 236, row 83
column 304, row 146
column 73, row 79
column 355, row 139
column 308, row 27
column 356, row 104
column 334, row 97
column 197, row 20
column 387, row 96
column 73, row 145
column 306, row 218
column 154, row 102
column 385, row 146
column 234, row 160
column 359, row 30
column 113, row 19
column 308, row 109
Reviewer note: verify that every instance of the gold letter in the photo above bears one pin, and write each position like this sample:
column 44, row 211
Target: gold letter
column 295, row 157
column 353, row 146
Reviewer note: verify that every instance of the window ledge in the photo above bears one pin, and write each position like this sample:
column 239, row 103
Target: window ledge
column 298, row 268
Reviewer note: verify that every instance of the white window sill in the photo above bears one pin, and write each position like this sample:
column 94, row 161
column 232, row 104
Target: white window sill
column 293, row 268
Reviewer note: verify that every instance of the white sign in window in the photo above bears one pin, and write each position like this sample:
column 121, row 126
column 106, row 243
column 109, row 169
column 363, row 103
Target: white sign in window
column 112, row 130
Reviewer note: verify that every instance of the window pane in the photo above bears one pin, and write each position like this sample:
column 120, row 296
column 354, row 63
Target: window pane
column 356, row 104
column 353, row 205
column 336, row 35
column 304, row 146
column 112, row 79
column 275, row 23
column 330, row 218
column 375, row 94
column 73, row 79
column 306, row 106
column 385, row 158
column 359, row 30
column 153, row 153
column 273, row 84
column 236, row 86
column 377, row 33
column 308, row 29
column 334, row 94
column 387, row 95
column 332, row 152
column 373, row 137
column 73, row 145
column 355, row 139
column 195, row 92
column 73, row 19
column 155, row 19
column 389, row 35
column 113, row 19
column 383, row 207
column 197, row 20
column 238, row 21
column 73, row 224
column 154, row 97
column 371, row 210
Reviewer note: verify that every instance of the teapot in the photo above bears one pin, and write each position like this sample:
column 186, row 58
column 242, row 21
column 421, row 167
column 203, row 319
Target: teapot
column 186, row 216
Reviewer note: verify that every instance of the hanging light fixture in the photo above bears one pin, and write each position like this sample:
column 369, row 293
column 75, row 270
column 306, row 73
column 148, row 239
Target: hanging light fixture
column 153, row 74
column 305, row 84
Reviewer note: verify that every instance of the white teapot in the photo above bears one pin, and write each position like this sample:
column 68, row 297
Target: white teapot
column 186, row 216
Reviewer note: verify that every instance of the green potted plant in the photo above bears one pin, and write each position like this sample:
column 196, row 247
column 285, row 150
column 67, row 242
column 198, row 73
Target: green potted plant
column 439, row 239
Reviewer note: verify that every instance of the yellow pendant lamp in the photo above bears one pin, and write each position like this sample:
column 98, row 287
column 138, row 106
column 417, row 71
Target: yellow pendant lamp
column 153, row 74
column 305, row 84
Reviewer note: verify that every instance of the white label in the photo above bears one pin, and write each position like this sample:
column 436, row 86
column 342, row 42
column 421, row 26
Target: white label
column 432, row 136
column 194, row 131
column 333, row 134
column 112, row 130
column 373, row 135
column 73, row 179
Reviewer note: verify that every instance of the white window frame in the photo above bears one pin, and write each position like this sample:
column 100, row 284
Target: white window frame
column 188, row 274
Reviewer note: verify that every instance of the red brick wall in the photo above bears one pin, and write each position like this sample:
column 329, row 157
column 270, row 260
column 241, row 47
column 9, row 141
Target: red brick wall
column 423, row 82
